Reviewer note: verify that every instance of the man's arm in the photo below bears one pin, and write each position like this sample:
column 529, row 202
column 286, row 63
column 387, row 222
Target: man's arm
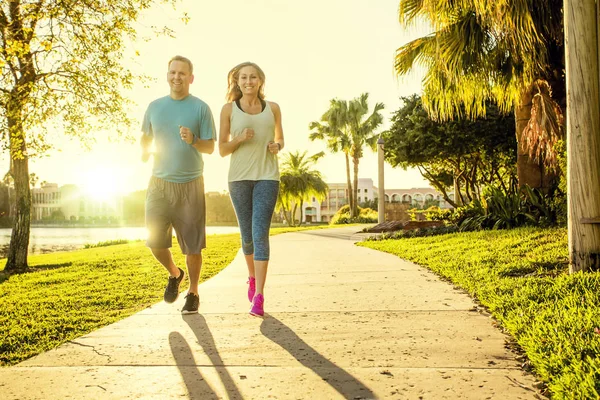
column 145, row 142
column 204, row 146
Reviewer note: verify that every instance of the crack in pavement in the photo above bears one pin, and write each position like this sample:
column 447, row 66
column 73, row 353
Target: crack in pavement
column 93, row 348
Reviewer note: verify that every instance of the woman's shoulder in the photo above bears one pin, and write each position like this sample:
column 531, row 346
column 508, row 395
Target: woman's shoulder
column 227, row 107
column 274, row 106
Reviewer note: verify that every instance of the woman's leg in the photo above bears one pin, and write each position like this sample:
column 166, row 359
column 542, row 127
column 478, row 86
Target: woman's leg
column 263, row 204
column 241, row 197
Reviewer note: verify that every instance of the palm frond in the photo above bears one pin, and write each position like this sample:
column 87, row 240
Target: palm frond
column 545, row 127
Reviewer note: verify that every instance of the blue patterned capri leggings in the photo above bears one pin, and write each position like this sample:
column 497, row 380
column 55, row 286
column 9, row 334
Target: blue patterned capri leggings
column 254, row 202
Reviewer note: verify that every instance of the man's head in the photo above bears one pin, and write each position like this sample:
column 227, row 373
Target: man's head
column 180, row 76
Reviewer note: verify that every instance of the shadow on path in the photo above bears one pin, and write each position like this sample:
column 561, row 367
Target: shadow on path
column 205, row 339
column 345, row 384
column 197, row 386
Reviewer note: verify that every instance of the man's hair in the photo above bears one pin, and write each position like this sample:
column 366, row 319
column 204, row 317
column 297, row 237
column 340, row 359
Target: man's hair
column 185, row 60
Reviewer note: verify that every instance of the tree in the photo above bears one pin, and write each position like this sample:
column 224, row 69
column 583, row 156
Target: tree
column 334, row 130
column 219, row 208
column 350, row 129
column 583, row 127
column 299, row 182
column 507, row 51
column 61, row 65
column 362, row 131
column 462, row 154
column 33, row 179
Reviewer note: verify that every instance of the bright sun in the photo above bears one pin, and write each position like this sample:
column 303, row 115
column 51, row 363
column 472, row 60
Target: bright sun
column 100, row 184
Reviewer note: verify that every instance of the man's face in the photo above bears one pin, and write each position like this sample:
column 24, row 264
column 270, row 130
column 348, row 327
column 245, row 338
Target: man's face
column 179, row 78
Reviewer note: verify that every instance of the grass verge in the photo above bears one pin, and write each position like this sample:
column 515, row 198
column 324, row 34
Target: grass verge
column 66, row 295
column 521, row 277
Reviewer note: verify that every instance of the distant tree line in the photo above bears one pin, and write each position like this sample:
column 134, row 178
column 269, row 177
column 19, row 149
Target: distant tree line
column 219, row 209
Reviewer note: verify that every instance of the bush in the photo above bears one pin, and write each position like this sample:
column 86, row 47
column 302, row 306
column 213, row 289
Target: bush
column 106, row 243
column 500, row 210
column 412, row 233
column 365, row 216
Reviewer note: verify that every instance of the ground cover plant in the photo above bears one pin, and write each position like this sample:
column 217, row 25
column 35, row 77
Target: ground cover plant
column 521, row 277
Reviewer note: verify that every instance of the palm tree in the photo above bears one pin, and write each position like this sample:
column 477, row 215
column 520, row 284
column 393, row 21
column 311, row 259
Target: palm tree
column 299, row 182
column 347, row 127
column 362, row 133
column 333, row 129
column 507, row 51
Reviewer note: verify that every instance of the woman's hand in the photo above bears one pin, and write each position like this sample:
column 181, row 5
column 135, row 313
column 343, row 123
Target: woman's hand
column 273, row 147
column 247, row 134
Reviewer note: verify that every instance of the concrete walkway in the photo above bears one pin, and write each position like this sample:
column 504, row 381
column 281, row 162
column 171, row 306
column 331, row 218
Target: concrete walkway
column 343, row 322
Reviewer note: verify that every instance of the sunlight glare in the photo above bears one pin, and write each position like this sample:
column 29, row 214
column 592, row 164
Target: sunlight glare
column 100, row 184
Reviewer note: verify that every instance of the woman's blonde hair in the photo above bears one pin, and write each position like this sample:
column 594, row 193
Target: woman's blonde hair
column 233, row 90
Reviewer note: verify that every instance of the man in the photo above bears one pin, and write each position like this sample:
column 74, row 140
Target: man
column 182, row 128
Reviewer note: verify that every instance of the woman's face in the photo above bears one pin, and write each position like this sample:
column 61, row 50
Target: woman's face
column 249, row 81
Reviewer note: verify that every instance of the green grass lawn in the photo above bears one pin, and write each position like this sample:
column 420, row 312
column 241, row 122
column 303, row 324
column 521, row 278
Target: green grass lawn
column 68, row 294
column 521, row 276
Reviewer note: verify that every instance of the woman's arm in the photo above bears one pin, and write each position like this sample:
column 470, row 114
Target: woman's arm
column 227, row 146
column 278, row 142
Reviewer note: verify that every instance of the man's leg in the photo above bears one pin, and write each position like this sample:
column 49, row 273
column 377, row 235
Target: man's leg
column 190, row 226
column 194, row 266
column 158, row 222
column 166, row 259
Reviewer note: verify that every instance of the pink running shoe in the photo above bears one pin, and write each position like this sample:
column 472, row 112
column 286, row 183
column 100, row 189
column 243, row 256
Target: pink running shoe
column 251, row 288
column 257, row 306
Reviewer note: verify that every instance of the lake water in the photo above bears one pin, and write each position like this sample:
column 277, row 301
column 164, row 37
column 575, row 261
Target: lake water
column 46, row 240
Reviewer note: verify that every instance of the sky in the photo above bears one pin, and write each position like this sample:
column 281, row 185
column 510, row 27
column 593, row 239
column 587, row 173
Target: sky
column 311, row 52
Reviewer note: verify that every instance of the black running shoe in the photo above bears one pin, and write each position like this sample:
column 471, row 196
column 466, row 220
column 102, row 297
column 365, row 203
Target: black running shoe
column 172, row 289
column 192, row 302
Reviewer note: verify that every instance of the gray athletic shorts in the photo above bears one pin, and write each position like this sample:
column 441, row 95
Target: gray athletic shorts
column 176, row 205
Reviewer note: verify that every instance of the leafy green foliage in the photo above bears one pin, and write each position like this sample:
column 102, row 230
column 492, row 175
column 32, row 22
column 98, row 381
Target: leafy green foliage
column 468, row 153
column 62, row 70
column 347, row 126
column 508, row 52
column 365, row 216
column 499, row 210
column 412, row 233
column 106, row 243
column 521, row 276
column 298, row 183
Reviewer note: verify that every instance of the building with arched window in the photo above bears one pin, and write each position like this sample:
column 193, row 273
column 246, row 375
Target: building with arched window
column 337, row 197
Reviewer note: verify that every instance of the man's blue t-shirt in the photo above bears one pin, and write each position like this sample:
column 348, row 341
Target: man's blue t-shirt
column 175, row 160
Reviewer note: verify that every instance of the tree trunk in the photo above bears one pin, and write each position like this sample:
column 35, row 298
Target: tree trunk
column 458, row 199
column 528, row 171
column 301, row 212
column 294, row 214
column 583, row 134
column 285, row 214
column 438, row 186
column 355, row 161
column 19, row 240
column 350, row 199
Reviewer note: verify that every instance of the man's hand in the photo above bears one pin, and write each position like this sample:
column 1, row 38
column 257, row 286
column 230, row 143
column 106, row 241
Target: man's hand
column 145, row 155
column 186, row 135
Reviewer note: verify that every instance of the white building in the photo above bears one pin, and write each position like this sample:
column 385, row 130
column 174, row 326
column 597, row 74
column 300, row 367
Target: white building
column 337, row 196
column 51, row 201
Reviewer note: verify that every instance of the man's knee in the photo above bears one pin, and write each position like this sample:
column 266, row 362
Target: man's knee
column 159, row 250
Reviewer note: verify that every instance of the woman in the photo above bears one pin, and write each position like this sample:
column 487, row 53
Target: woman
column 251, row 132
